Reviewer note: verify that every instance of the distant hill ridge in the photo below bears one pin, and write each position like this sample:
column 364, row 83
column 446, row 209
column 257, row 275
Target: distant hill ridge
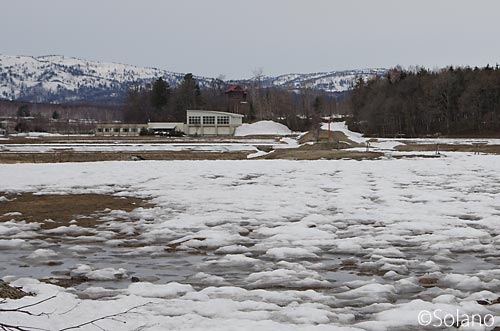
column 60, row 79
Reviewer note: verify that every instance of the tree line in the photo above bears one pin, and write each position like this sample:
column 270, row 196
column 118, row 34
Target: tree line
column 299, row 109
column 418, row 102
column 160, row 103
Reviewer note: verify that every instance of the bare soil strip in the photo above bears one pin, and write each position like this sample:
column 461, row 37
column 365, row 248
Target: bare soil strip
column 490, row 149
column 53, row 211
column 56, row 157
column 317, row 154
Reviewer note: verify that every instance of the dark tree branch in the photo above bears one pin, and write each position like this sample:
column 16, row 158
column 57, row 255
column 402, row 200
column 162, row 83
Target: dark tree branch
column 8, row 327
column 20, row 309
column 111, row 316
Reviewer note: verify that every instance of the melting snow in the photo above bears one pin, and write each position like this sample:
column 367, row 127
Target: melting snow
column 267, row 245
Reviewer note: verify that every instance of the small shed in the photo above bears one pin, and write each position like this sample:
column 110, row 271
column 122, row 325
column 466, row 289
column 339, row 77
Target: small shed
column 166, row 128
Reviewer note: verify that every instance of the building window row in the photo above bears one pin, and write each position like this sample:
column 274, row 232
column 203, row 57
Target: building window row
column 222, row 119
column 117, row 130
column 208, row 120
column 194, row 120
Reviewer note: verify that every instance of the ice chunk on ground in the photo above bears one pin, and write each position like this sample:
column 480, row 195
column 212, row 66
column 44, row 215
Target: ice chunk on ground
column 290, row 253
column 208, row 279
column 232, row 249
column 13, row 243
column 169, row 290
column 83, row 270
column 43, row 254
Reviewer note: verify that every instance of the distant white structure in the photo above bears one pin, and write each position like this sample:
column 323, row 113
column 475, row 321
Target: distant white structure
column 3, row 128
column 211, row 123
column 119, row 129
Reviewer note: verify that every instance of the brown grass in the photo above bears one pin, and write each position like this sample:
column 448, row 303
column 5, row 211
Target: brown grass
column 67, row 156
column 85, row 209
column 10, row 292
column 428, row 281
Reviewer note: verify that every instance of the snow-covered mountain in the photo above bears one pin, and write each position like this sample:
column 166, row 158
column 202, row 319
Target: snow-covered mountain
column 334, row 81
column 62, row 79
column 65, row 79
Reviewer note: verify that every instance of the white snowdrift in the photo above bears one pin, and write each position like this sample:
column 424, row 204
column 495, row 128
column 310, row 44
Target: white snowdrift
column 263, row 128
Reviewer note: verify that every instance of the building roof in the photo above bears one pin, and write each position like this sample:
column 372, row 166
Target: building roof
column 163, row 125
column 214, row 112
column 236, row 88
column 121, row 125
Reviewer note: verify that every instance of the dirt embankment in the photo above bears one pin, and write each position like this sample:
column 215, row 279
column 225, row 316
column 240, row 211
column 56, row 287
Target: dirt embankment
column 326, row 148
column 313, row 152
column 67, row 156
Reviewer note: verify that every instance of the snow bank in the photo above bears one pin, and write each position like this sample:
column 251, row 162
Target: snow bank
column 36, row 134
column 263, row 128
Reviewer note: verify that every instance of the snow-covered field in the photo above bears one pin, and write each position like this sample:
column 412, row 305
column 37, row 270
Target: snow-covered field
column 116, row 146
column 263, row 245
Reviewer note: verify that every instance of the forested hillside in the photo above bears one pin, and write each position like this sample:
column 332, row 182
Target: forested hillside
column 452, row 101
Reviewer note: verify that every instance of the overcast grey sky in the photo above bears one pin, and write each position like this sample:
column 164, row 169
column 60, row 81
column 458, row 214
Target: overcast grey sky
column 233, row 38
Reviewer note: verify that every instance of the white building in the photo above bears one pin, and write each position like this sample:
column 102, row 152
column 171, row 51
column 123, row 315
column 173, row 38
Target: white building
column 199, row 123
column 4, row 127
column 208, row 122
column 119, row 129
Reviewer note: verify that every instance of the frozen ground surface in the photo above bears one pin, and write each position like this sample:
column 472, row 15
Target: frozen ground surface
column 263, row 245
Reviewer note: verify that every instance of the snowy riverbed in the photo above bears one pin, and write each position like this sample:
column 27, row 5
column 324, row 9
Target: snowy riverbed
column 264, row 245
